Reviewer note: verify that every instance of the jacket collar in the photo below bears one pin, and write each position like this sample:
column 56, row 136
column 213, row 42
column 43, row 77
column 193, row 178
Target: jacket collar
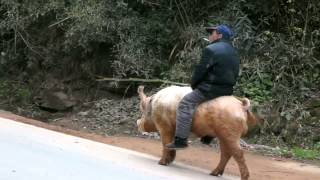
column 220, row 40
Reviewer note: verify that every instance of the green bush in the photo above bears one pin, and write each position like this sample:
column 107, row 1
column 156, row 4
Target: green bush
column 306, row 153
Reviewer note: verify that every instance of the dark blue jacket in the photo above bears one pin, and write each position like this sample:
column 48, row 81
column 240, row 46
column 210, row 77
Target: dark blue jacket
column 218, row 70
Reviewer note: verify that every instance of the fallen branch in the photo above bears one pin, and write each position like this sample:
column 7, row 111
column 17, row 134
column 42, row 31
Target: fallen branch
column 141, row 80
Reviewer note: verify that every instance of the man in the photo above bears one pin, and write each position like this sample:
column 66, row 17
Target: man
column 214, row 76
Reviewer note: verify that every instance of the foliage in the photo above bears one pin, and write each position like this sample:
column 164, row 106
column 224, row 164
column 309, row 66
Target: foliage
column 13, row 92
column 300, row 153
column 259, row 89
column 305, row 153
column 184, row 59
column 278, row 42
column 317, row 146
column 135, row 57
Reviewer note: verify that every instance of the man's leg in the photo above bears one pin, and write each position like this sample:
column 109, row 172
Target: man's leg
column 185, row 111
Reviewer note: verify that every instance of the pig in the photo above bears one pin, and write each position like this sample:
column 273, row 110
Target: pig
column 226, row 118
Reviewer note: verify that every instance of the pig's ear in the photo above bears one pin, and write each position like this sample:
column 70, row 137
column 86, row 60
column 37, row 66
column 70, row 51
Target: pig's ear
column 143, row 98
column 141, row 93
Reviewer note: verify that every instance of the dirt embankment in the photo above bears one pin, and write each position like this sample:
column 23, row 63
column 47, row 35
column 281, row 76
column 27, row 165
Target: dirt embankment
column 261, row 167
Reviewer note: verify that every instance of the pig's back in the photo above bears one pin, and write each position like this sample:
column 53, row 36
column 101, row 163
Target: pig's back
column 167, row 99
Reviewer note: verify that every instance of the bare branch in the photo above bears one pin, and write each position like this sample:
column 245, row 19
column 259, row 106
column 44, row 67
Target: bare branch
column 56, row 23
column 28, row 44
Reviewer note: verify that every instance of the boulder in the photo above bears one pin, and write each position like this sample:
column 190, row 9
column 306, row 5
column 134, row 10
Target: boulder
column 54, row 101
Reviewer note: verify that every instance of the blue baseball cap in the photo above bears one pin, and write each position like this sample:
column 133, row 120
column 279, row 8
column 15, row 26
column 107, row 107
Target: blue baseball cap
column 221, row 29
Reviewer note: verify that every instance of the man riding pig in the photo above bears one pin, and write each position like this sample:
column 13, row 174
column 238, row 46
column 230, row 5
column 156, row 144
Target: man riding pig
column 208, row 109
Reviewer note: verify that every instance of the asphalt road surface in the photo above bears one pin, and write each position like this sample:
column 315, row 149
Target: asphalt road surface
column 32, row 153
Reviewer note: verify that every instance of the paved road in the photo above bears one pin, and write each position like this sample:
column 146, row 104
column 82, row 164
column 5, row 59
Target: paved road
column 31, row 153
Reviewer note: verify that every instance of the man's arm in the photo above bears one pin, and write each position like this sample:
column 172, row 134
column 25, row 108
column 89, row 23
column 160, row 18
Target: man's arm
column 202, row 68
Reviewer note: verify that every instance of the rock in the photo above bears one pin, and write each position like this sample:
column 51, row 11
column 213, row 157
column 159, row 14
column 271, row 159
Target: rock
column 83, row 113
column 54, row 101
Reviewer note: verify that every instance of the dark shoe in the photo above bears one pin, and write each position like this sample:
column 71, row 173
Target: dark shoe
column 206, row 140
column 178, row 143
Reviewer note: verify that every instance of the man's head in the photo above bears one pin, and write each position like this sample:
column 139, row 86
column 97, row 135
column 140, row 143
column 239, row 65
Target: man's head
column 219, row 32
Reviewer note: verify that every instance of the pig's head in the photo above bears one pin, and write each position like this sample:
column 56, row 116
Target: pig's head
column 145, row 123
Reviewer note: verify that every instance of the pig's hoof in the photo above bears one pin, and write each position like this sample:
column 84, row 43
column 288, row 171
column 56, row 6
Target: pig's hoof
column 172, row 156
column 163, row 162
column 217, row 172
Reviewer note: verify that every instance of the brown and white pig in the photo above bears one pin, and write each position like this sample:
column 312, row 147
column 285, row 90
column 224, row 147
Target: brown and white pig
column 226, row 118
